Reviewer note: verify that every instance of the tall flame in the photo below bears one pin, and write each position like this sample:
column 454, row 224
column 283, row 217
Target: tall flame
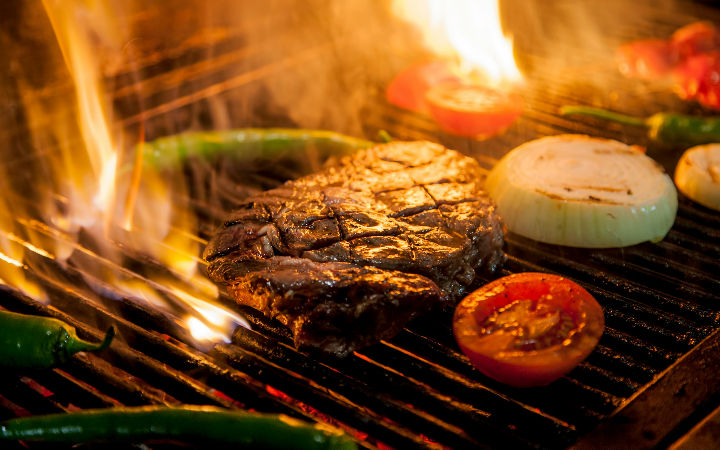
column 94, row 187
column 466, row 31
column 90, row 203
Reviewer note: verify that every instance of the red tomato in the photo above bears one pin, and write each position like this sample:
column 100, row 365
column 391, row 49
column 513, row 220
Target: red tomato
column 648, row 59
column 699, row 78
column 408, row 88
column 528, row 329
column 696, row 38
column 472, row 110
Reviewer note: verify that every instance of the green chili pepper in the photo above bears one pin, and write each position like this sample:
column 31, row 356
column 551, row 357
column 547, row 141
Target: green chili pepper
column 246, row 144
column 136, row 424
column 40, row 342
column 664, row 127
column 384, row 136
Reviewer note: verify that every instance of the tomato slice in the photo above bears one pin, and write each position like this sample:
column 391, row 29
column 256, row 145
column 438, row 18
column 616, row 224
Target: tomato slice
column 473, row 110
column 408, row 88
column 696, row 38
column 699, row 78
column 647, row 59
column 528, row 329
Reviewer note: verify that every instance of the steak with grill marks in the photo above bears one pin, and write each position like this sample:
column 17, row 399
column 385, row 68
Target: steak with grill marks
column 347, row 256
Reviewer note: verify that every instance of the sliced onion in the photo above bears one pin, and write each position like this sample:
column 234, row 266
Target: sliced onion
column 697, row 175
column 581, row 191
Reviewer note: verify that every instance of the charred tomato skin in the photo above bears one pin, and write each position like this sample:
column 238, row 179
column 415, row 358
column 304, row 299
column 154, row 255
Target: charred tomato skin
column 536, row 367
column 473, row 110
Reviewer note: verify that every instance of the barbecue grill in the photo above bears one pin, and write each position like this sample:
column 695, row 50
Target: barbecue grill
column 650, row 382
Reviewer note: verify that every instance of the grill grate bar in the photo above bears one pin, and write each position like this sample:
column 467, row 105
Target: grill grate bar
column 673, row 252
column 697, row 213
column 615, row 385
column 624, row 364
column 696, row 229
column 615, row 282
column 683, row 239
column 388, row 430
column 635, row 259
column 371, row 370
column 463, row 396
column 21, row 390
column 74, row 390
column 660, row 282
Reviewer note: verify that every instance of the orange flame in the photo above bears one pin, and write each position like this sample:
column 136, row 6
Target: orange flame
column 466, row 31
column 90, row 177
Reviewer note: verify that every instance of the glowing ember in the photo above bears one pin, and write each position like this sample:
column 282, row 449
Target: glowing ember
column 466, row 31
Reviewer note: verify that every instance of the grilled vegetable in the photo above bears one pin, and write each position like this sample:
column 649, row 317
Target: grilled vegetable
column 646, row 59
column 697, row 48
column 583, row 192
column 409, row 87
column 655, row 58
column 665, row 127
column 697, row 175
column 188, row 422
column 472, row 110
column 246, row 144
column 691, row 56
column 40, row 342
column 528, row 329
column 694, row 39
column 698, row 78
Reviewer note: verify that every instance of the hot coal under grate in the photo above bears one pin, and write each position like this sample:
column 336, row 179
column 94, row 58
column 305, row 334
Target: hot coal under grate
column 660, row 300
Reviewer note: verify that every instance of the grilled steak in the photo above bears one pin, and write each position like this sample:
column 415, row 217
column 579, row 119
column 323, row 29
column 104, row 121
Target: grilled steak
column 347, row 256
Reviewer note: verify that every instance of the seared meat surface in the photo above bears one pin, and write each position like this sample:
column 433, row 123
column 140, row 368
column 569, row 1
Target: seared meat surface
column 347, row 256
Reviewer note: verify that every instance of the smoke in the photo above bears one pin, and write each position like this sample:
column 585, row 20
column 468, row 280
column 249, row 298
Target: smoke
column 567, row 32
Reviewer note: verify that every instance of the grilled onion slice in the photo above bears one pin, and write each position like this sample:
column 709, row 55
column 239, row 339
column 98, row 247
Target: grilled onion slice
column 697, row 175
column 581, row 191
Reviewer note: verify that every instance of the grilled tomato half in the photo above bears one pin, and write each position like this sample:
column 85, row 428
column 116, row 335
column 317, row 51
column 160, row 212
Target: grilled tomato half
column 472, row 110
column 409, row 87
column 528, row 329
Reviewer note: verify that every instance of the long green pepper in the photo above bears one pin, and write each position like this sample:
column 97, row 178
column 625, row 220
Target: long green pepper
column 202, row 423
column 35, row 342
column 662, row 127
column 246, row 145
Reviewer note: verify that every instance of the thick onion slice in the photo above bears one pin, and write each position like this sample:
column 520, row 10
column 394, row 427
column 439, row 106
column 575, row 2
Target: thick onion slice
column 697, row 175
column 581, row 191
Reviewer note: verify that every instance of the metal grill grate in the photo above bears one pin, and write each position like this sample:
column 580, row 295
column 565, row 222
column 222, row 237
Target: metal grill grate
column 660, row 300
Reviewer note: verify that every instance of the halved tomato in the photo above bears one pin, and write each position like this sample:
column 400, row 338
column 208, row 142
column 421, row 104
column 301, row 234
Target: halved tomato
column 694, row 39
column 528, row 329
column 408, row 88
column 648, row 59
column 698, row 78
column 473, row 110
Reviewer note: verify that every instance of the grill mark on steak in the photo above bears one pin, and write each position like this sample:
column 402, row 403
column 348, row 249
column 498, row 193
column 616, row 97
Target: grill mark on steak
column 387, row 234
